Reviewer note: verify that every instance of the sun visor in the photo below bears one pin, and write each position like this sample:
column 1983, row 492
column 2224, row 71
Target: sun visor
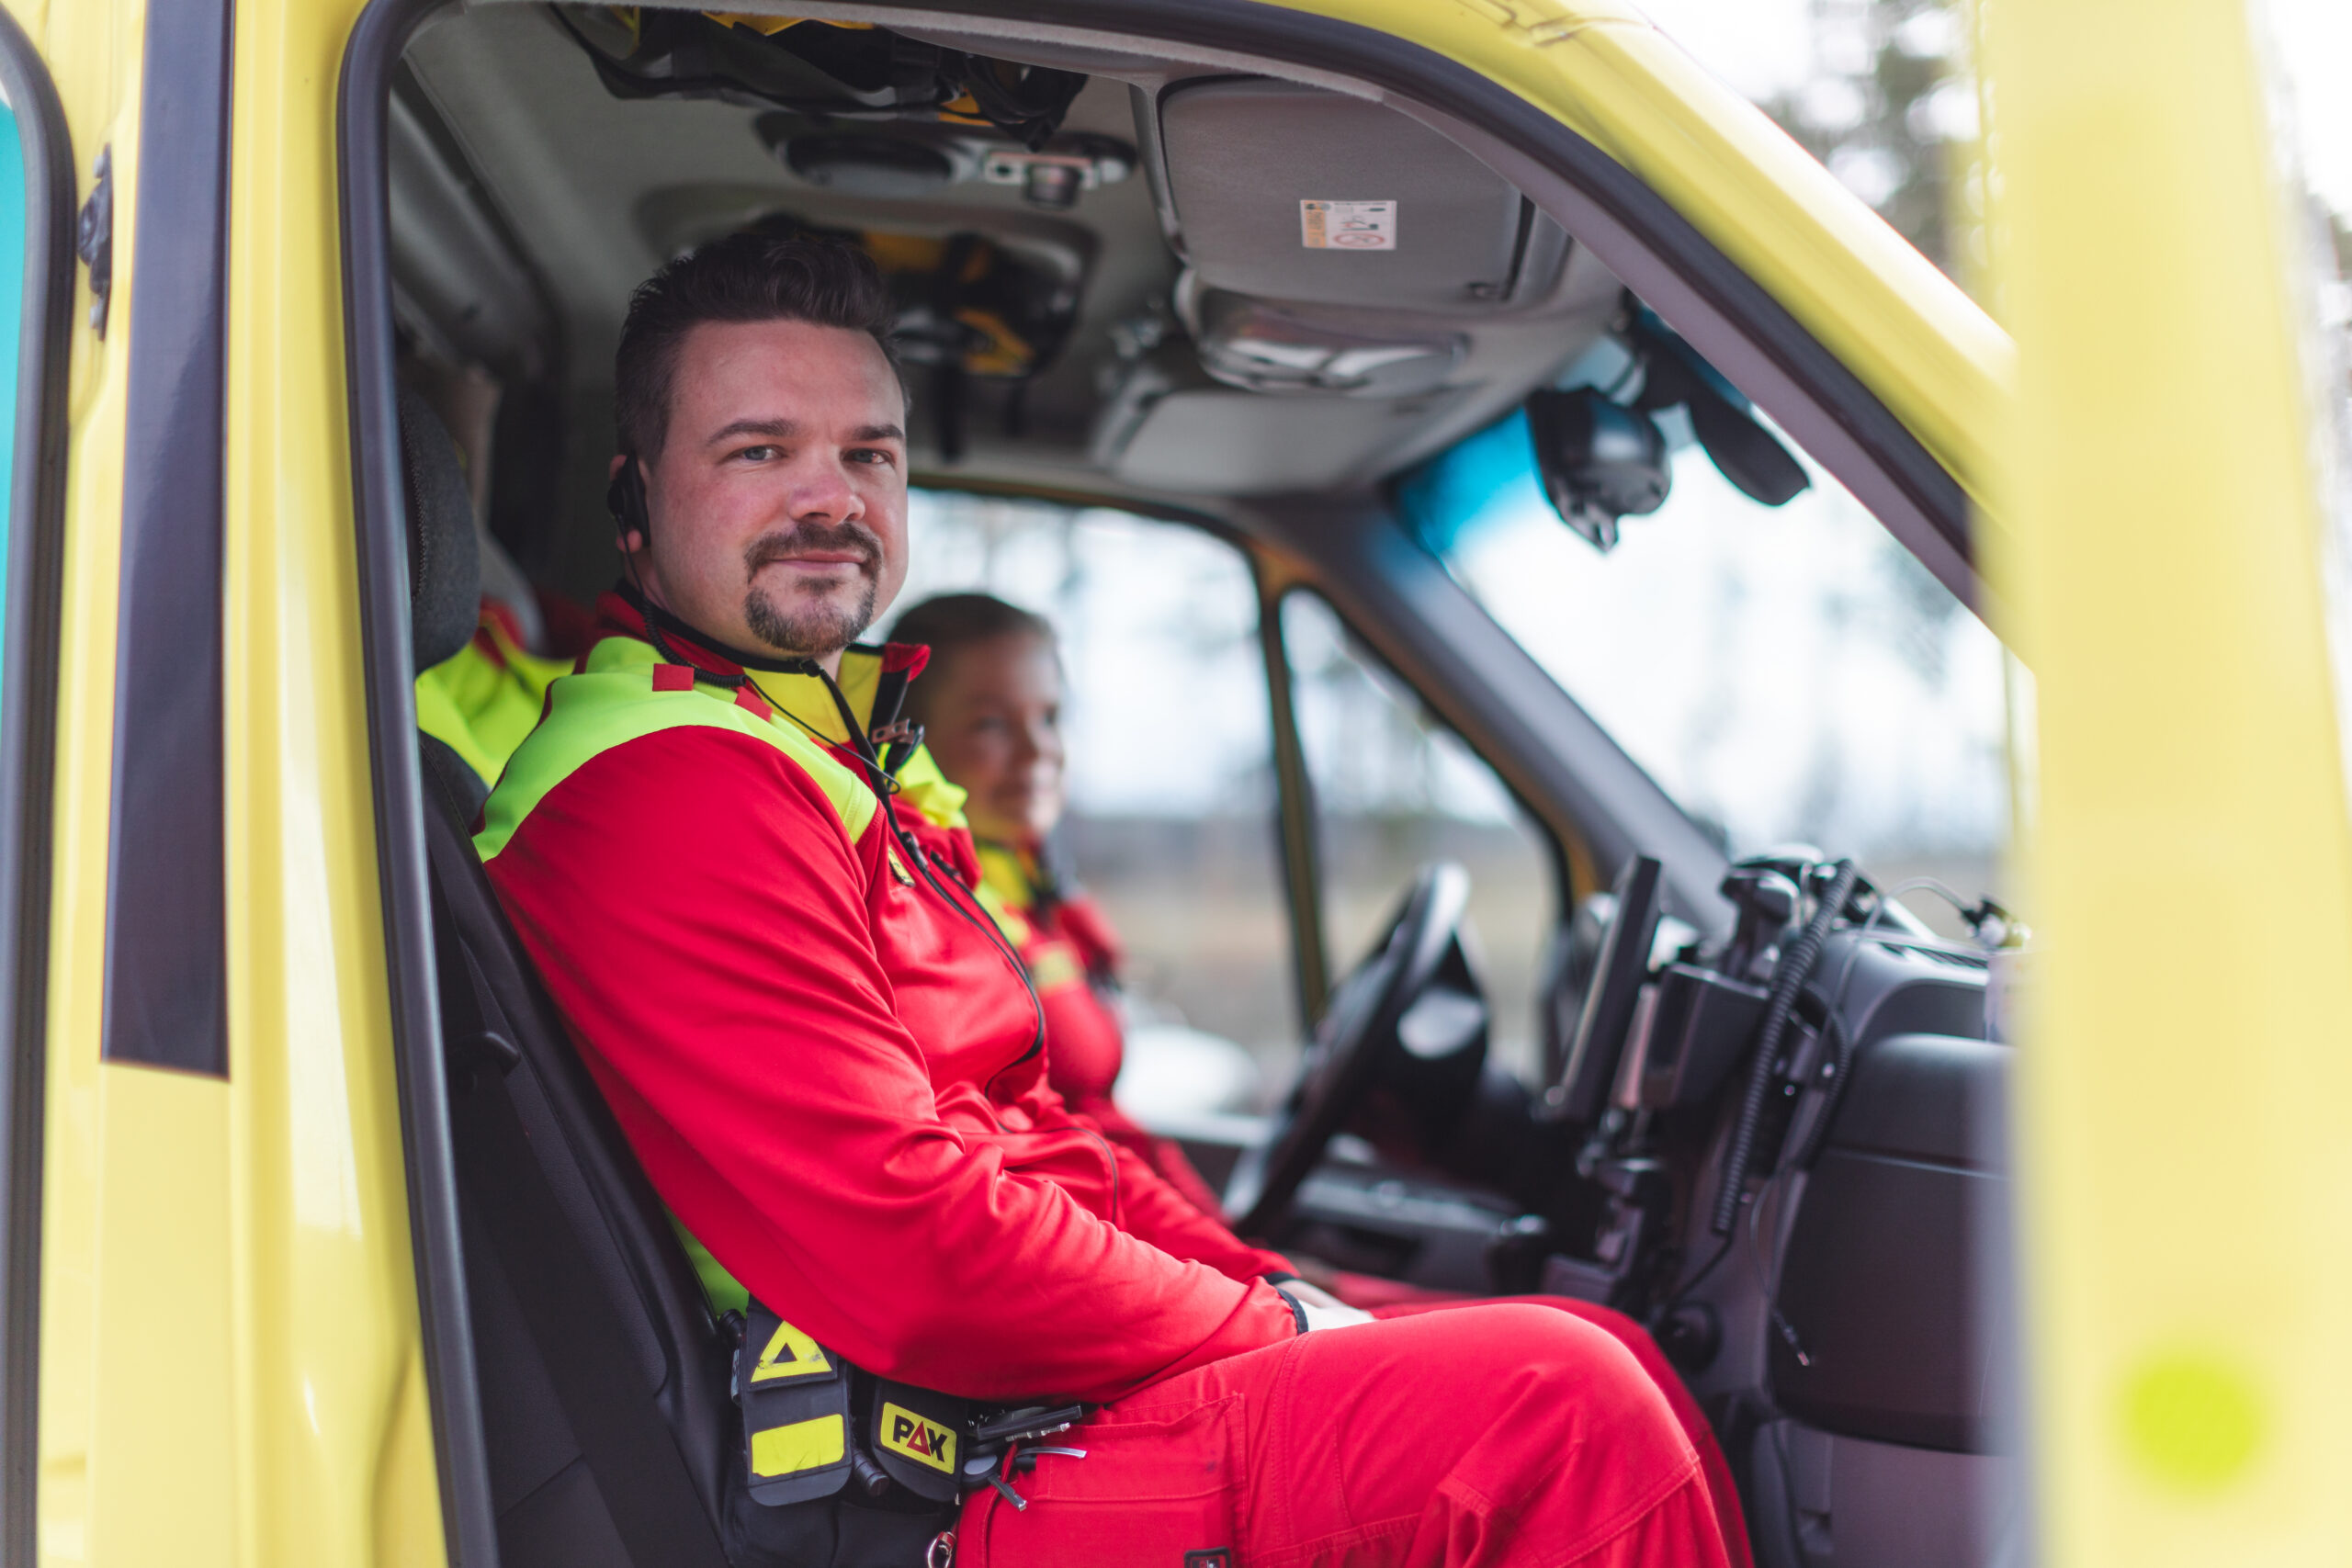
column 1286, row 192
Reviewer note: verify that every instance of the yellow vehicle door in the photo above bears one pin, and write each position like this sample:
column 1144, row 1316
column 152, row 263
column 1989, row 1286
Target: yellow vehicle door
column 221, row 1110
column 227, row 1365
column 2185, row 1181
column 245, row 1245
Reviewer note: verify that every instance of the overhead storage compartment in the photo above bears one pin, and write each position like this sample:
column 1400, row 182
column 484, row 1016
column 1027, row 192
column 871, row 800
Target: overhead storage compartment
column 1292, row 193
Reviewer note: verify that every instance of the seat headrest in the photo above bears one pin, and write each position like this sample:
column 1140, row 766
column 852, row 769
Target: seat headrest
column 443, row 558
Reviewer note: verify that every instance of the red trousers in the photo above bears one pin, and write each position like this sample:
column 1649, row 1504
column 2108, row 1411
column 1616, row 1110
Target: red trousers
column 1505, row 1433
column 1393, row 1298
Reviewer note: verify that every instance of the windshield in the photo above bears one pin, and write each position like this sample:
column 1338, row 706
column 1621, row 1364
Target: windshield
column 1785, row 673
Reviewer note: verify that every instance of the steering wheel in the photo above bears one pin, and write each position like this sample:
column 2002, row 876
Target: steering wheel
column 1368, row 1012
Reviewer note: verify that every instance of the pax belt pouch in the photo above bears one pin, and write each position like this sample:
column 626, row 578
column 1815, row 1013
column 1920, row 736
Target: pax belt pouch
column 794, row 1396
column 919, row 1437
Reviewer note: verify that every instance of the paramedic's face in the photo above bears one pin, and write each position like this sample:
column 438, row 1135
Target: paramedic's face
column 994, row 725
column 779, row 496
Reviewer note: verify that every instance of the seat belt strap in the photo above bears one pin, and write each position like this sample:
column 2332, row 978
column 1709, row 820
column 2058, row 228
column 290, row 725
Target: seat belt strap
column 623, row 1434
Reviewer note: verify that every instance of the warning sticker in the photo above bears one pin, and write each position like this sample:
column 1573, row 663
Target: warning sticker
column 905, row 1432
column 1347, row 225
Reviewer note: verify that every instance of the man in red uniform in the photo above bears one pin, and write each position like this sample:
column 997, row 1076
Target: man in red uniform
column 832, row 1070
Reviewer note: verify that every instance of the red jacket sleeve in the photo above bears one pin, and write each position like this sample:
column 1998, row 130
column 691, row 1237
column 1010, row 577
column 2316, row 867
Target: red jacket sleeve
column 700, row 916
column 1152, row 1209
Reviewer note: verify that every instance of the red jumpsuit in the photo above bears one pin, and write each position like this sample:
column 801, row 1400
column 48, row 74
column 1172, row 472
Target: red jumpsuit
column 834, row 1080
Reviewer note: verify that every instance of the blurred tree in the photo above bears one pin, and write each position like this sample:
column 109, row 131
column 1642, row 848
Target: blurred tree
column 1891, row 110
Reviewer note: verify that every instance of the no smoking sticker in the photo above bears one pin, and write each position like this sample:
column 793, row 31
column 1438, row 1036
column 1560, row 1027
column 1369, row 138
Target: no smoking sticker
column 1347, row 225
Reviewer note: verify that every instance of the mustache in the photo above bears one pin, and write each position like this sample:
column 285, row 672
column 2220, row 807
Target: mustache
column 810, row 538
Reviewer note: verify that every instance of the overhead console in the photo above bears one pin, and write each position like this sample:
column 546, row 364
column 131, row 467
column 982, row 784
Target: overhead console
column 1291, row 193
column 1358, row 291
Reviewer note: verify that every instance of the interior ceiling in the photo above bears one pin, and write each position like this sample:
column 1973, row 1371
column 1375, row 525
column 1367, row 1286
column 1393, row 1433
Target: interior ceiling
column 505, row 140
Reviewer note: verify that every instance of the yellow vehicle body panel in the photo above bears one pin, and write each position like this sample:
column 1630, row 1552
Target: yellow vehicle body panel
column 2185, row 1181
column 338, row 1438
column 1936, row 360
column 232, row 1368
column 121, row 1251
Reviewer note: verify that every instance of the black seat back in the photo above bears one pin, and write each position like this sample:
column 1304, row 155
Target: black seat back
column 590, row 1327
column 603, row 1379
column 444, row 557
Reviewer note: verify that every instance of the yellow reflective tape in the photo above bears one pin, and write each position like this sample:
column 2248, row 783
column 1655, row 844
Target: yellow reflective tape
column 612, row 704
column 797, row 1446
column 904, row 1432
column 789, row 1354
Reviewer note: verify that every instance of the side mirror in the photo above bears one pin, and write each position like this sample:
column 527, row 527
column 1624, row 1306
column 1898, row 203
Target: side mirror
column 1600, row 461
column 1746, row 453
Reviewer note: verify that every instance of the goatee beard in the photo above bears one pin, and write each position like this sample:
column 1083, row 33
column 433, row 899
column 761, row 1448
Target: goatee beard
column 816, row 632
column 821, row 629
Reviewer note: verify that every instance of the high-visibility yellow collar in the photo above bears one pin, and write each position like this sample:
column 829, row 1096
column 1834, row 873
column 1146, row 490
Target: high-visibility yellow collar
column 803, row 698
column 1013, row 870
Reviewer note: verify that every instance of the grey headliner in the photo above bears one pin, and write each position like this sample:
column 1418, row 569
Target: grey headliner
column 597, row 192
column 563, row 162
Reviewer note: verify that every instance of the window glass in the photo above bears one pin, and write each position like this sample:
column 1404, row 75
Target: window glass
column 1786, row 674
column 1171, row 826
column 1394, row 790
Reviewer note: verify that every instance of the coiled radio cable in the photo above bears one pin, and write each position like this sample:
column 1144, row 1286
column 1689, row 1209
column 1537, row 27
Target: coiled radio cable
column 1795, row 967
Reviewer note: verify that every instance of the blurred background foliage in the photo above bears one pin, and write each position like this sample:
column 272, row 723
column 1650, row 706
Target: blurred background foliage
column 1888, row 101
column 1891, row 107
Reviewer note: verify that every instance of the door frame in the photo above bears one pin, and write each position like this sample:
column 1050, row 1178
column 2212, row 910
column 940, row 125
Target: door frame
column 1725, row 313
column 28, row 695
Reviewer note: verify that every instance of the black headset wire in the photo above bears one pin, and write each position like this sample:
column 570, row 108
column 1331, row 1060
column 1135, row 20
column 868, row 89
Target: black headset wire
column 930, row 864
column 887, row 788
column 625, row 498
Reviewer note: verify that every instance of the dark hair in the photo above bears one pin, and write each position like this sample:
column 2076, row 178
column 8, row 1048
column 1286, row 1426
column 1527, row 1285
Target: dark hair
column 743, row 277
column 949, row 623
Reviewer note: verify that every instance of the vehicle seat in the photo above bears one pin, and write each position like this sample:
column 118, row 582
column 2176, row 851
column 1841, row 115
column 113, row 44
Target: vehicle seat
column 444, row 579
column 603, row 1377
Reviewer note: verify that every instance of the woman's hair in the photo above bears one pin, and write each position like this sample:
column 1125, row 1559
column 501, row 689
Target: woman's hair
column 949, row 623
